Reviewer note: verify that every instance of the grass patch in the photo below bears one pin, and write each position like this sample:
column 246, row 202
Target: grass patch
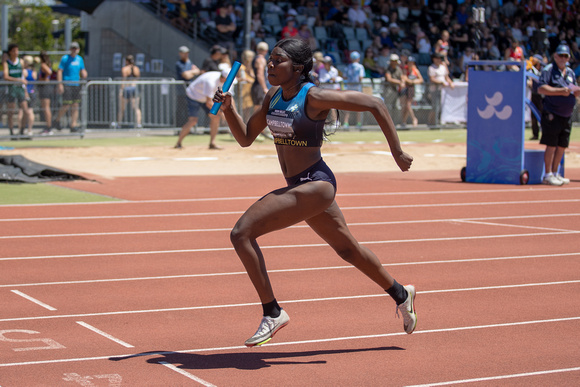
column 43, row 193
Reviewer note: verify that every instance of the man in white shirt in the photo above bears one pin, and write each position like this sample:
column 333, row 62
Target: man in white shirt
column 200, row 93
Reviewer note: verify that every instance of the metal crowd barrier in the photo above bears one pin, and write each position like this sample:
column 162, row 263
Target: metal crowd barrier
column 107, row 104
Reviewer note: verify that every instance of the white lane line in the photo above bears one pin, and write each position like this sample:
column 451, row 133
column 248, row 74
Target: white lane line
column 186, row 374
column 494, row 224
column 324, row 299
column 104, row 334
column 499, row 377
column 524, row 189
column 215, row 249
column 301, row 342
column 292, row 270
column 479, row 220
column 356, row 208
column 29, row 298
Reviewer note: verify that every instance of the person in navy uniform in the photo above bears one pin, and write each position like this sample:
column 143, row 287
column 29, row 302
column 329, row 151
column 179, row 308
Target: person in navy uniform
column 558, row 85
column 295, row 111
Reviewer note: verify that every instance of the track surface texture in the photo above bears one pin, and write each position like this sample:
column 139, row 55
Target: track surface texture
column 148, row 291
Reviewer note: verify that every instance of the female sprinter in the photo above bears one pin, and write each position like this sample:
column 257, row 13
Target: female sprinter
column 295, row 111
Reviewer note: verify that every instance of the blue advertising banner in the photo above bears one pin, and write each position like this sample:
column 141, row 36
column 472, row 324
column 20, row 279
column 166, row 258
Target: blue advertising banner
column 495, row 124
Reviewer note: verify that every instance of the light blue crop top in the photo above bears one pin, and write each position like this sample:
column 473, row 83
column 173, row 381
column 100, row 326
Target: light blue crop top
column 289, row 123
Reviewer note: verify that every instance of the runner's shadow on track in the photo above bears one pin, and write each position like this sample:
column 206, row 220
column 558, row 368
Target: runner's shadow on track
column 244, row 360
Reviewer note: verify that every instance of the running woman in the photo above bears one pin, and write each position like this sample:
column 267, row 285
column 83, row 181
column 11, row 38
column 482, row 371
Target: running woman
column 295, row 110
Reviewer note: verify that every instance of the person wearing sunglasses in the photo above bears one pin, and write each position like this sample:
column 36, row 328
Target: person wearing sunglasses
column 558, row 85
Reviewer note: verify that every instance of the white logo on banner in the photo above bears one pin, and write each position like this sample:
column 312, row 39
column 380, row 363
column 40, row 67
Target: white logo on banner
column 490, row 110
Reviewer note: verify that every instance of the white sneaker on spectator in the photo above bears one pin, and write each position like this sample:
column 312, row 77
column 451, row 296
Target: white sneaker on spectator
column 563, row 179
column 551, row 180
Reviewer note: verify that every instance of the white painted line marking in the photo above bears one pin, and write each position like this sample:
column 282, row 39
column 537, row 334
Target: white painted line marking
column 357, row 208
column 104, row 334
column 523, row 189
column 293, row 270
column 186, row 374
column 206, row 307
column 493, row 224
column 29, row 298
column 445, row 220
column 313, row 341
column 500, row 377
column 214, row 249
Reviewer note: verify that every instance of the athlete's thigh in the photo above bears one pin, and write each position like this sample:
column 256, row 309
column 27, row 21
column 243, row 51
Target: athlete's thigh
column 286, row 206
column 331, row 226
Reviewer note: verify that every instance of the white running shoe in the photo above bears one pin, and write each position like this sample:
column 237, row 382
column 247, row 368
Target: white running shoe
column 563, row 179
column 551, row 180
column 407, row 309
column 268, row 328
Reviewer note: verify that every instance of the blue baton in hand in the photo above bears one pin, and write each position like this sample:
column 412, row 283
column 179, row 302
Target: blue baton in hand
column 229, row 80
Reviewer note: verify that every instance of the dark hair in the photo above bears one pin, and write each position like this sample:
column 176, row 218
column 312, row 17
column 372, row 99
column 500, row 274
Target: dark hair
column 130, row 59
column 300, row 53
column 11, row 47
column 44, row 58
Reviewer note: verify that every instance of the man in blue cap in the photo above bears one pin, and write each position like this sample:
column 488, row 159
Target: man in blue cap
column 558, row 85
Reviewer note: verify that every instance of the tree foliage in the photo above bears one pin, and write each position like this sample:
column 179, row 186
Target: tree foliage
column 31, row 27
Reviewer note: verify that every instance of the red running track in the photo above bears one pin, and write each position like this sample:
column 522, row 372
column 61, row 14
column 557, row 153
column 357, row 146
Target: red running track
column 148, row 291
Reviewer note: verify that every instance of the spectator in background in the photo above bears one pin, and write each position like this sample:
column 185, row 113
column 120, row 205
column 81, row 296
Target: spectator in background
column 395, row 82
column 461, row 15
column 45, row 91
column 370, row 64
column 357, row 16
column 329, row 74
column 216, row 54
column 383, row 60
column 129, row 92
column 395, row 36
column 247, row 78
column 560, row 90
column 355, row 72
column 226, row 29
column 15, row 72
column 200, row 93
column 289, row 30
column 442, row 47
column 71, row 68
column 311, row 13
column 423, row 47
column 490, row 50
column 385, row 37
column 260, row 86
column 184, row 71
column 439, row 77
column 305, row 33
column 536, row 64
column 412, row 77
column 31, row 77
column 459, row 38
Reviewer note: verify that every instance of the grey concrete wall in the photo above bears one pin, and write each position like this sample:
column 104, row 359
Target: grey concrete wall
column 140, row 29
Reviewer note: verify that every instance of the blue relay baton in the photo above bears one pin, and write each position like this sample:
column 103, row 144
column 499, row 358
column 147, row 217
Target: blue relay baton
column 229, row 80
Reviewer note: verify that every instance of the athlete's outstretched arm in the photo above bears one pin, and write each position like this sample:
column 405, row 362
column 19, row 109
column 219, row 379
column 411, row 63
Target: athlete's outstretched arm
column 321, row 100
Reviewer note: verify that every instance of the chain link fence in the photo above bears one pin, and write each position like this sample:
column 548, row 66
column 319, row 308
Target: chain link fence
column 160, row 104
